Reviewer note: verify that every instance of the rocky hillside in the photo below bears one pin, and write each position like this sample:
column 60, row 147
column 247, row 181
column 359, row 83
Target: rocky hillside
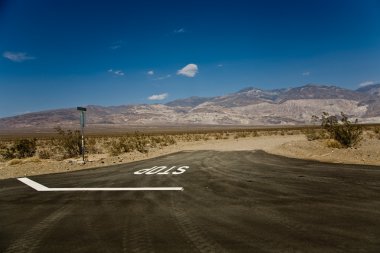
column 249, row 106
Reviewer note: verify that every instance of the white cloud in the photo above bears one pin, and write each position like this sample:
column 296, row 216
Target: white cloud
column 190, row 70
column 116, row 72
column 116, row 45
column 163, row 77
column 159, row 96
column 366, row 83
column 150, row 72
column 17, row 57
column 307, row 73
column 179, row 30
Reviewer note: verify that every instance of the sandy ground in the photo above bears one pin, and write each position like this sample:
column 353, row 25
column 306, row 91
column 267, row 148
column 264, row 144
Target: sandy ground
column 295, row 146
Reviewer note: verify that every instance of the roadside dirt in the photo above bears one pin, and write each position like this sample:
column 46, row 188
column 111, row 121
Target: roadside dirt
column 368, row 152
column 295, row 146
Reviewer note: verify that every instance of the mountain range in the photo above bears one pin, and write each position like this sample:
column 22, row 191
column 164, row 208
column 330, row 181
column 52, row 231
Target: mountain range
column 249, row 106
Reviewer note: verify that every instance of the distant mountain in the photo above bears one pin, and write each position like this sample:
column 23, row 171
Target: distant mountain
column 373, row 89
column 312, row 91
column 188, row 102
column 249, row 106
column 372, row 99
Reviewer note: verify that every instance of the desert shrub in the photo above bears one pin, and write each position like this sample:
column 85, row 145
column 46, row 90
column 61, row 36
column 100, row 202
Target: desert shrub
column 115, row 148
column 197, row 137
column 155, row 141
column 269, row 132
column 14, row 162
column 138, row 142
column 311, row 134
column 32, row 160
column 241, row 135
column 206, row 137
column 122, row 145
column 25, row 148
column 91, row 145
column 8, row 153
column 19, row 149
column 45, row 154
column 141, row 145
column 377, row 132
column 255, row 133
column 333, row 144
column 170, row 140
column 316, row 134
column 218, row 136
column 348, row 134
column 69, row 142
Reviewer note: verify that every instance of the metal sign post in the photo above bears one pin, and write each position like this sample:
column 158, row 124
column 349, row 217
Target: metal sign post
column 82, row 123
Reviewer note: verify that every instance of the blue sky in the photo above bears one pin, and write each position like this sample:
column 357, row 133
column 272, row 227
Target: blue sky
column 57, row 54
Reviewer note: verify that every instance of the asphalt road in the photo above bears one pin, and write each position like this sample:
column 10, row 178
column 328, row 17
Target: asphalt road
column 231, row 202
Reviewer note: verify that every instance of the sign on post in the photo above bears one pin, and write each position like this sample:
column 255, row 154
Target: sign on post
column 82, row 119
column 82, row 124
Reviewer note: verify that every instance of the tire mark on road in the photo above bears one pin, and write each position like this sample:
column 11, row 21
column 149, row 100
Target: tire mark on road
column 30, row 241
column 93, row 229
column 136, row 235
column 191, row 231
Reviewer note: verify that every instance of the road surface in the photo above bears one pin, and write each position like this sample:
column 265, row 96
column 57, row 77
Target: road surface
column 231, row 202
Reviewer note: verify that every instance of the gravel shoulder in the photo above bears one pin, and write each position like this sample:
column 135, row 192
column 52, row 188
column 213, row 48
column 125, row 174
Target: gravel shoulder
column 295, row 146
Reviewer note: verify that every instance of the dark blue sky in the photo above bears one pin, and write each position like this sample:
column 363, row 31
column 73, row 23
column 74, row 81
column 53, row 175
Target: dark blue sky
column 66, row 53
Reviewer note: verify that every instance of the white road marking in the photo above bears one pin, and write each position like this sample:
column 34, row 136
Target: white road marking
column 36, row 186
column 158, row 170
column 42, row 188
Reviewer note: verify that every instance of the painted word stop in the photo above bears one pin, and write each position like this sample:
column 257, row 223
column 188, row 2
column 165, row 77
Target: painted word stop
column 163, row 170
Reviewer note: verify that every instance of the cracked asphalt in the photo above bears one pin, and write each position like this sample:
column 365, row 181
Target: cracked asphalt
column 238, row 201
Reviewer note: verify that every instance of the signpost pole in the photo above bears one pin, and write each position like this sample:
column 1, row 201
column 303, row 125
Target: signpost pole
column 82, row 123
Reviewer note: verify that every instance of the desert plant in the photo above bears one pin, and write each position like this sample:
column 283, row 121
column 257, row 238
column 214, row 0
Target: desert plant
column 91, row 145
column 205, row 137
column 169, row 140
column 377, row 132
column 241, row 135
column 70, row 142
column 139, row 142
column 255, row 133
column 115, row 148
column 196, row 137
column 32, row 160
column 25, row 148
column 315, row 134
column 311, row 134
column 218, row 136
column 342, row 130
column 333, row 144
column 8, row 153
column 122, row 145
column 14, row 162
column 19, row 149
column 44, row 154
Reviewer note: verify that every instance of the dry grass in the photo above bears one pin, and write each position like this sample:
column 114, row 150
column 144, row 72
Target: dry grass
column 32, row 160
column 333, row 144
column 15, row 161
